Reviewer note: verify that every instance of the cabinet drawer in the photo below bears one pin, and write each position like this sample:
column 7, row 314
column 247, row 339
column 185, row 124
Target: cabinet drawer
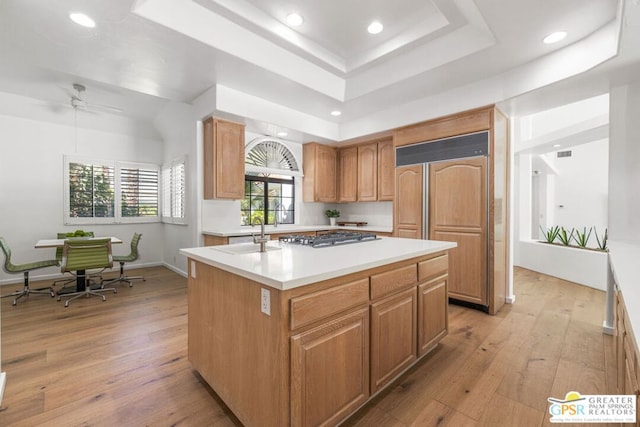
column 390, row 281
column 433, row 267
column 318, row 305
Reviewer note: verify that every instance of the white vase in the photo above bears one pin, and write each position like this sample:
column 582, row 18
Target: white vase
column 332, row 221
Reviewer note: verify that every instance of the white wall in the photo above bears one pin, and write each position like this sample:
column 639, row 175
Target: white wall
column 31, row 179
column 624, row 160
column 177, row 125
column 581, row 187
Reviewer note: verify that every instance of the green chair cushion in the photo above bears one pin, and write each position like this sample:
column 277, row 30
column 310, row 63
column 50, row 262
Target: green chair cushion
column 12, row 268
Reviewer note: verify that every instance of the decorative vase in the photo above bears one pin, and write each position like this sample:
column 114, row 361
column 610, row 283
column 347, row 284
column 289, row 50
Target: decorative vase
column 332, row 221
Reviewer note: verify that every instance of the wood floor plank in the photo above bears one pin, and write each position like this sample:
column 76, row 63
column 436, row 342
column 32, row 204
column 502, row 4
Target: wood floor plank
column 124, row 362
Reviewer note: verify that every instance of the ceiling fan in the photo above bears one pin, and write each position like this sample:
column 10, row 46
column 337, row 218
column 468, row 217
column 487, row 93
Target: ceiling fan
column 79, row 103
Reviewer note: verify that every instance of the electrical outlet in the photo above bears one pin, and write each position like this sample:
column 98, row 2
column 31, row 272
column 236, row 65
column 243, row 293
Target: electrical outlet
column 193, row 269
column 265, row 301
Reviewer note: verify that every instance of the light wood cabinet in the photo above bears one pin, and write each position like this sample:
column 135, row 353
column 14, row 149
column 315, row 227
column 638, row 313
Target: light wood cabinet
column 462, row 219
column 223, row 154
column 320, row 180
column 386, row 170
column 407, row 208
column 330, row 370
column 368, row 173
column 393, row 336
column 627, row 362
column 482, row 277
column 324, row 349
column 215, row 240
column 348, row 174
column 432, row 314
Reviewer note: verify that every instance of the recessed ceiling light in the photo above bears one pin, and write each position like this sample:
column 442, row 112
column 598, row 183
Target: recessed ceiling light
column 336, row 113
column 556, row 145
column 294, row 20
column 555, row 37
column 282, row 133
column 375, row 27
column 82, row 19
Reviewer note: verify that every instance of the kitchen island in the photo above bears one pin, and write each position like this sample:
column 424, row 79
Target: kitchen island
column 305, row 336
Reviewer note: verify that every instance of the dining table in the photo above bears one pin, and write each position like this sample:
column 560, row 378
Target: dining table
column 58, row 243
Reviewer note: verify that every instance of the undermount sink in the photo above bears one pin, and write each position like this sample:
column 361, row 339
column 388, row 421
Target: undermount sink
column 244, row 248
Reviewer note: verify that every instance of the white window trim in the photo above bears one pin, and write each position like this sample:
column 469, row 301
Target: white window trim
column 117, row 218
column 170, row 166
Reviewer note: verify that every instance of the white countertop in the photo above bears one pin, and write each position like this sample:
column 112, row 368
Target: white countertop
column 286, row 228
column 294, row 265
column 624, row 259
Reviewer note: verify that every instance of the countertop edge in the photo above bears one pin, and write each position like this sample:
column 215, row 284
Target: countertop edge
column 307, row 280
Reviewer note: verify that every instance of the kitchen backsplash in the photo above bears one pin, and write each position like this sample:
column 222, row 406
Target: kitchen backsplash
column 221, row 214
column 374, row 213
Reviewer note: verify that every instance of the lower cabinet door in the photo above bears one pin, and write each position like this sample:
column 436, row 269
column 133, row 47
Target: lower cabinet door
column 330, row 370
column 393, row 337
column 432, row 313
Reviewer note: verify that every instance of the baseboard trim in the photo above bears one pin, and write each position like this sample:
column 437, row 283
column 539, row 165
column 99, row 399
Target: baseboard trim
column 175, row 269
column 510, row 299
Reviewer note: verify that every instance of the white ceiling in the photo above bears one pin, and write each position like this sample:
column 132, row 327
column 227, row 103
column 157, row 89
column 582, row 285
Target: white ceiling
column 144, row 54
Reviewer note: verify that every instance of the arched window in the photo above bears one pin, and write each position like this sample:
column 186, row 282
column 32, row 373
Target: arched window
column 269, row 194
column 266, row 154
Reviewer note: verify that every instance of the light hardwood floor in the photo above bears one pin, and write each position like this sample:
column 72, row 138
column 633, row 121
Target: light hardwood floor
column 124, row 362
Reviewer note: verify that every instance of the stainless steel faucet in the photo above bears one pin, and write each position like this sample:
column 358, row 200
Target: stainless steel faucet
column 262, row 239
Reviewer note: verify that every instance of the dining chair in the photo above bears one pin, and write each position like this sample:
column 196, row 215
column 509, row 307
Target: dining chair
column 122, row 259
column 12, row 268
column 66, row 280
column 78, row 256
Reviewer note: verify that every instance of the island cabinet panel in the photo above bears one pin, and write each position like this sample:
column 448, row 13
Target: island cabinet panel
column 330, row 370
column 432, row 314
column 393, row 337
column 324, row 349
column 348, row 174
column 320, row 173
column 367, row 173
column 223, row 154
column 318, row 305
column 390, row 281
column 386, row 170
column 241, row 352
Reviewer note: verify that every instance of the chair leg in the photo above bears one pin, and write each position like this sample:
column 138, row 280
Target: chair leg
column 26, row 290
column 122, row 278
column 87, row 292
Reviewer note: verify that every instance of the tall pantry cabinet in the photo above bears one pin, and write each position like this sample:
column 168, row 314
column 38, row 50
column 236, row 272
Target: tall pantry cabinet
column 478, row 270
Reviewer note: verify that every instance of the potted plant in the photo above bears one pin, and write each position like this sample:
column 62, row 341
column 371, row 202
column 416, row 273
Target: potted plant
column 332, row 214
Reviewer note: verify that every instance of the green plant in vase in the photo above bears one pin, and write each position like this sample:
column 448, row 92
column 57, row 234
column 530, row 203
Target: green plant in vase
column 332, row 214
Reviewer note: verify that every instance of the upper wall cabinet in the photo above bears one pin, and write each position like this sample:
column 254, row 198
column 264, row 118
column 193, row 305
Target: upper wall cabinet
column 348, row 174
column 386, row 170
column 223, row 154
column 368, row 172
column 320, row 165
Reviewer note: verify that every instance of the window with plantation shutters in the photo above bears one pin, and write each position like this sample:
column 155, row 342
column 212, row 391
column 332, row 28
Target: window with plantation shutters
column 109, row 192
column 173, row 192
column 138, row 192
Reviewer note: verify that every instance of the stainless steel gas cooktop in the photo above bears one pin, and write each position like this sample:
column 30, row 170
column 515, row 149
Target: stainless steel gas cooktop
column 329, row 239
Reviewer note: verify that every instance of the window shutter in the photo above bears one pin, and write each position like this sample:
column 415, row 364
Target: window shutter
column 138, row 192
column 91, row 190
